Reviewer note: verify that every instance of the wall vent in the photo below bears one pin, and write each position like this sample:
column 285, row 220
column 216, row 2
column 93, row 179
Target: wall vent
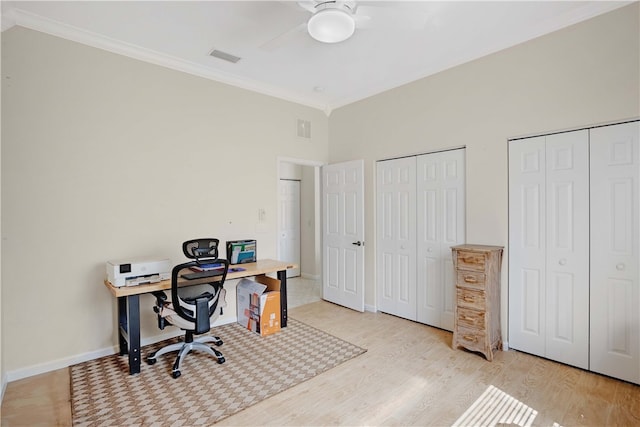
column 303, row 129
column 224, row 56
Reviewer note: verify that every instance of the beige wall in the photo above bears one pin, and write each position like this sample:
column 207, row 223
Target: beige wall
column 105, row 157
column 101, row 155
column 585, row 74
column 311, row 252
column 3, row 379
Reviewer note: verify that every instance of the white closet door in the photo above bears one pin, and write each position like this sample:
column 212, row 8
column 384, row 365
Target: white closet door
column 440, row 225
column 567, row 248
column 549, row 247
column 396, row 237
column 527, row 235
column 615, row 227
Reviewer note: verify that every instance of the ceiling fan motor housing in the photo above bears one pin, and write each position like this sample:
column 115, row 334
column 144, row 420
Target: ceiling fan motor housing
column 332, row 21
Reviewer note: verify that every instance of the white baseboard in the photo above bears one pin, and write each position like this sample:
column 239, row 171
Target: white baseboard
column 371, row 308
column 310, row 276
column 65, row 362
column 4, row 386
column 53, row 365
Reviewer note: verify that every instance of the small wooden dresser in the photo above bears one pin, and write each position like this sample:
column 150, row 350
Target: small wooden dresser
column 477, row 311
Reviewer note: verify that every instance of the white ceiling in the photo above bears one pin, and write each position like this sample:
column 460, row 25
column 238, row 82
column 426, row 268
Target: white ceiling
column 401, row 42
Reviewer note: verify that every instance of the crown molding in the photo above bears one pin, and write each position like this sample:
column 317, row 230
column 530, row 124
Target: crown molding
column 22, row 18
column 16, row 16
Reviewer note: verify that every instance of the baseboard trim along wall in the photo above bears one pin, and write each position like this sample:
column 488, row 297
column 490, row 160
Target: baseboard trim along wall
column 53, row 365
column 4, row 386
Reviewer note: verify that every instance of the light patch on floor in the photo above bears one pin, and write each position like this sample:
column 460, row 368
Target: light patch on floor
column 497, row 408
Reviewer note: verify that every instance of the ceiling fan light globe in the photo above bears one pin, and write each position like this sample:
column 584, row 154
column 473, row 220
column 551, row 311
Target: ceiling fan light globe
column 331, row 26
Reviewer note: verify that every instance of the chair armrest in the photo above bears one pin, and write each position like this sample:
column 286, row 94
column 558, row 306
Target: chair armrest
column 161, row 299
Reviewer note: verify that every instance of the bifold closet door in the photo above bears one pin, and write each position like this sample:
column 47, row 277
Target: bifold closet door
column 549, row 247
column 396, row 237
column 615, row 252
column 441, row 225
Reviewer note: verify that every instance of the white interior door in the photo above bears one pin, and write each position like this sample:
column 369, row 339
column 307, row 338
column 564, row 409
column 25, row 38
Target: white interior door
column 527, row 243
column 289, row 225
column 567, row 248
column 343, row 234
column 615, row 230
column 396, row 237
column 440, row 195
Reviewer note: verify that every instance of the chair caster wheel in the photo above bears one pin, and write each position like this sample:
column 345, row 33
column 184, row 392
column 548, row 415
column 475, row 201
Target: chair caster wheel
column 175, row 374
column 221, row 360
column 151, row 358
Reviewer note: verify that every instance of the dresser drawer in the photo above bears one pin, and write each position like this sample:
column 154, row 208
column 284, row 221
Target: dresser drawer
column 471, row 298
column 472, row 339
column 471, row 318
column 471, row 279
column 471, row 261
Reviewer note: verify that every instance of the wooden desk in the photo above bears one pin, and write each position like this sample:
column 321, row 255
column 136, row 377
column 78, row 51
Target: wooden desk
column 129, row 303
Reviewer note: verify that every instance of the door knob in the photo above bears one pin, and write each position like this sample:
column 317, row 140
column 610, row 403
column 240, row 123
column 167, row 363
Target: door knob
column 358, row 243
column 562, row 261
column 620, row 267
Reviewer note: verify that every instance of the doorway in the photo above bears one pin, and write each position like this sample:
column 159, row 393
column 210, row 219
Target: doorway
column 289, row 233
column 307, row 174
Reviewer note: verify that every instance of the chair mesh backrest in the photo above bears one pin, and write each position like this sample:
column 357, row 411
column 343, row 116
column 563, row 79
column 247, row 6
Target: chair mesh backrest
column 184, row 297
column 201, row 249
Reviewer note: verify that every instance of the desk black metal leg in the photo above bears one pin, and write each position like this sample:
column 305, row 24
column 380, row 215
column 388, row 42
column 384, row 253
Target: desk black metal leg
column 122, row 325
column 129, row 330
column 133, row 309
column 282, row 276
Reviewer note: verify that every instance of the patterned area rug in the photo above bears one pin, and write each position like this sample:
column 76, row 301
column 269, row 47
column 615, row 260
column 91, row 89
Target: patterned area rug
column 104, row 394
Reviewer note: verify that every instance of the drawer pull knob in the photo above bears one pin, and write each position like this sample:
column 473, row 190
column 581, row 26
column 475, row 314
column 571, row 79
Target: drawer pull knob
column 470, row 279
column 468, row 318
column 562, row 261
column 620, row 267
column 470, row 338
column 469, row 299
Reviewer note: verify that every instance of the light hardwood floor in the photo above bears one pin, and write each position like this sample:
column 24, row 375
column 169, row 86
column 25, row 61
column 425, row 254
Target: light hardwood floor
column 410, row 375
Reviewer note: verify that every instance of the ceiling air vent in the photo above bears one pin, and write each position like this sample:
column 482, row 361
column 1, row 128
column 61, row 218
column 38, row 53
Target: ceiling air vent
column 224, row 56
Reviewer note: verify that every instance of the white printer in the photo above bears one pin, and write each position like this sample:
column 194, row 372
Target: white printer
column 136, row 271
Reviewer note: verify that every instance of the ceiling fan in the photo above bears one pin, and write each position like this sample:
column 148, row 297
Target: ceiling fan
column 334, row 21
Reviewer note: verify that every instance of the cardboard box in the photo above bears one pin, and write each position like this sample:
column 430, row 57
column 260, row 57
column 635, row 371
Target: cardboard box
column 259, row 304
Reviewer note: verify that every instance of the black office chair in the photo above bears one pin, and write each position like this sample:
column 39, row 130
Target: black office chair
column 193, row 308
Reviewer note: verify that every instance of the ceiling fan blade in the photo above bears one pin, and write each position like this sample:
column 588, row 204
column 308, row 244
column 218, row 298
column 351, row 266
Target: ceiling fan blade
column 362, row 21
column 284, row 38
column 309, row 5
column 390, row 17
